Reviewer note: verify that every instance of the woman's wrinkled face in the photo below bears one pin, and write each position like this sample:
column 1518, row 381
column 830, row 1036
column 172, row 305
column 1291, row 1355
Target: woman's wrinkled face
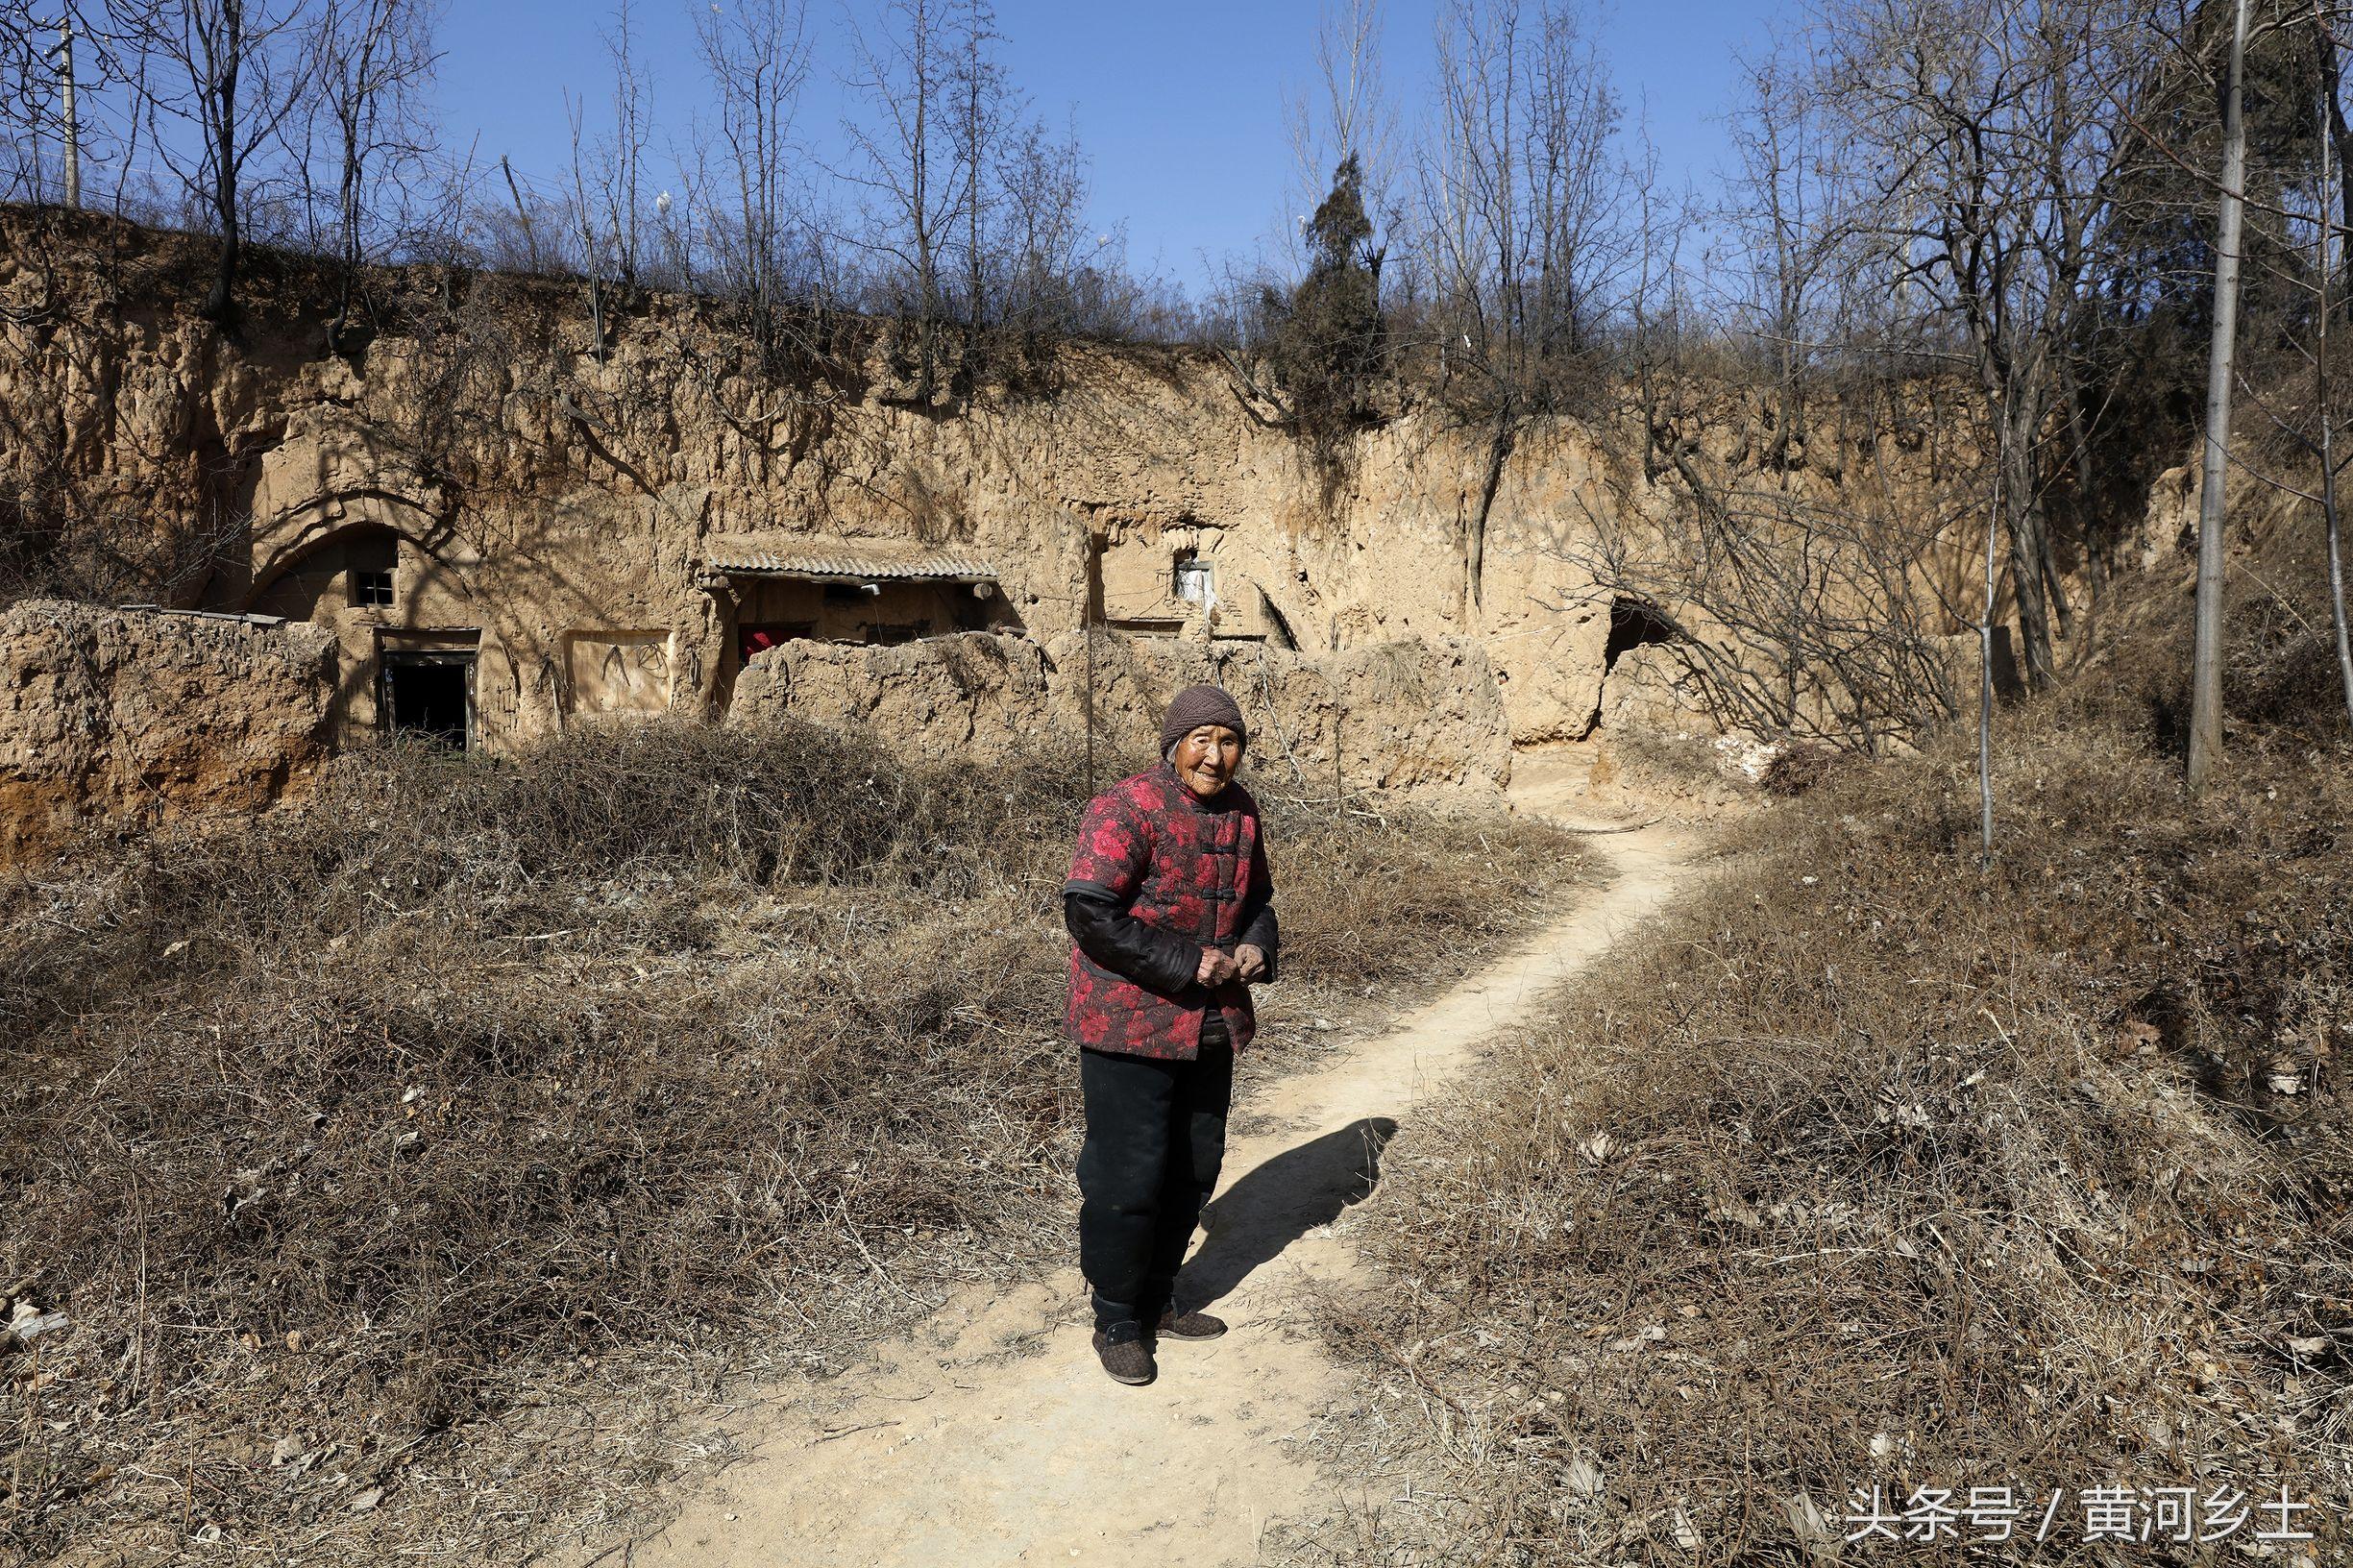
column 1205, row 758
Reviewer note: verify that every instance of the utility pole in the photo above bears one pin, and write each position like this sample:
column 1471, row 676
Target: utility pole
column 73, row 126
column 2206, row 647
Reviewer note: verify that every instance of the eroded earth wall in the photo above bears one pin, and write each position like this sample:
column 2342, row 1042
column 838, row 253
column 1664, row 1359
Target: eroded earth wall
column 1411, row 715
column 123, row 718
column 485, row 480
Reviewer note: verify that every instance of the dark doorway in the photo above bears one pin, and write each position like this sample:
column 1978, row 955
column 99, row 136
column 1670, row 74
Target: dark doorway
column 1635, row 623
column 431, row 695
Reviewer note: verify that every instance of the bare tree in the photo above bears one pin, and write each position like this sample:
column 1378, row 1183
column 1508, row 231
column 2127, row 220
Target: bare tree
column 622, row 187
column 235, row 71
column 982, row 109
column 1519, row 199
column 589, row 217
column 1345, row 113
column 38, row 91
column 69, row 115
column 438, row 219
column 1795, row 617
column 525, row 224
column 756, row 54
column 25, row 100
column 2311, row 200
column 1059, row 275
column 38, row 88
column 907, row 162
column 1790, row 214
column 605, row 179
column 372, row 58
column 1991, row 144
column 682, row 212
column 1519, row 224
column 1042, row 214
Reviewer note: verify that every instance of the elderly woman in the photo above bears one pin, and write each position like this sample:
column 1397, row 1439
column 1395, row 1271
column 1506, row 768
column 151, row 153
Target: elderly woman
column 1169, row 903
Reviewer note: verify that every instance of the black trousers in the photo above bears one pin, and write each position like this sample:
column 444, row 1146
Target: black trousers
column 1156, row 1134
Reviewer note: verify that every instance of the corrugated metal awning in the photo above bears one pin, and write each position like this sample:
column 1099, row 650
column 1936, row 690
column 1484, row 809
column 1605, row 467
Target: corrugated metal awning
column 822, row 564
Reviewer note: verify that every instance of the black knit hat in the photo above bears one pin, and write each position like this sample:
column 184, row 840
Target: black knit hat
column 1198, row 705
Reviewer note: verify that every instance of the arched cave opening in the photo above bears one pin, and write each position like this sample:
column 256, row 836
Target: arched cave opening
column 357, row 566
column 1634, row 622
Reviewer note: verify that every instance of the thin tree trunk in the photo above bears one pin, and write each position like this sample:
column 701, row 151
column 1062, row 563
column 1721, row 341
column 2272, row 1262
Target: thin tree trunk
column 975, row 135
column 2027, row 548
column 2079, row 459
column 2062, row 616
column 2335, row 135
column 2332, row 123
column 2335, row 556
column 349, row 217
column 1985, row 672
column 973, row 283
column 919, row 184
column 2206, row 655
column 220, row 302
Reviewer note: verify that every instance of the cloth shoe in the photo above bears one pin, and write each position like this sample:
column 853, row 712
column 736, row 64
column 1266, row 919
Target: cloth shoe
column 1124, row 1353
column 1188, row 1325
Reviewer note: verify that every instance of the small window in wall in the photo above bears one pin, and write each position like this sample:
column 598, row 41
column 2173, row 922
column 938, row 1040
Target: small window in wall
column 1191, row 579
column 370, row 559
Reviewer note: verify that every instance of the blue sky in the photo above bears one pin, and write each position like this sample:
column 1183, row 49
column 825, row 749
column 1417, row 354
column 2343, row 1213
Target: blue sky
column 1179, row 105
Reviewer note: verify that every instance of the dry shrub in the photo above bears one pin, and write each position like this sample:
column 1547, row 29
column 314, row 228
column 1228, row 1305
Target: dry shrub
column 1797, row 768
column 1879, row 1167
column 359, row 1126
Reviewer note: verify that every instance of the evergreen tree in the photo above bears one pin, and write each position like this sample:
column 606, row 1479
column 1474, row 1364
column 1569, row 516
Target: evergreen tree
column 1327, row 338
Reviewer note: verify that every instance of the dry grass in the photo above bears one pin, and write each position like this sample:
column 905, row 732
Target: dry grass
column 383, row 1144
column 1879, row 1167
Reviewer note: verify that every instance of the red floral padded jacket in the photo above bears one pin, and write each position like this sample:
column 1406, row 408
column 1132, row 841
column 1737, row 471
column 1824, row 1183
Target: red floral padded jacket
column 1192, row 874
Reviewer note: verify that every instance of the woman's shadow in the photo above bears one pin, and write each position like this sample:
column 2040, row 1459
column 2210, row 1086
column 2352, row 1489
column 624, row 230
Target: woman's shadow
column 1281, row 1201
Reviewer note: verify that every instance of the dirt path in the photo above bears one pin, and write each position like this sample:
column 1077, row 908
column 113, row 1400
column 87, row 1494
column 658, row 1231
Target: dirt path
column 991, row 1437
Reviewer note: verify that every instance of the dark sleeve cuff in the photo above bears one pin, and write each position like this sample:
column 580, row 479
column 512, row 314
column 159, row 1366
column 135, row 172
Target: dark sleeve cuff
column 1262, row 932
column 1157, row 960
